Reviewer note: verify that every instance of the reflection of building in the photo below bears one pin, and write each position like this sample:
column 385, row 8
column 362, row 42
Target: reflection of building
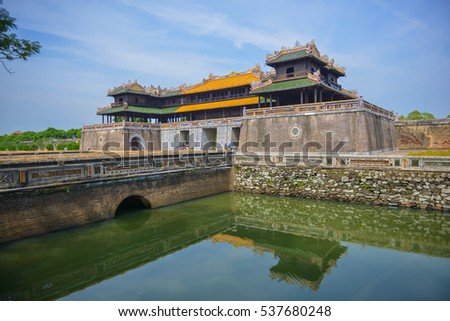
column 302, row 260
column 304, row 236
column 93, row 256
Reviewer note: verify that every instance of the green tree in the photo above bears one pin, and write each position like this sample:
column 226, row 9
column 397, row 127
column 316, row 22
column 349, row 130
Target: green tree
column 428, row 115
column 11, row 47
column 417, row 115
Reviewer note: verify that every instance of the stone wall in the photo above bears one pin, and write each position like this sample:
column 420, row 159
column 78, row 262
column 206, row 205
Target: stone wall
column 405, row 188
column 423, row 134
column 35, row 211
column 152, row 137
column 198, row 137
column 363, row 131
column 101, row 138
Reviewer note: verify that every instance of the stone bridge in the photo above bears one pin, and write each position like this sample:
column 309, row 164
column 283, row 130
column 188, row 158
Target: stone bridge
column 44, row 196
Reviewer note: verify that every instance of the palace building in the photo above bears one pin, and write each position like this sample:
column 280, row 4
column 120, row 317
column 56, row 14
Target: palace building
column 302, row 86
column 300, row 75
column 215, row 97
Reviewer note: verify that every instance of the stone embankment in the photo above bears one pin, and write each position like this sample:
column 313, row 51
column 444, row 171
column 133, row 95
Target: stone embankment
column 404, row 188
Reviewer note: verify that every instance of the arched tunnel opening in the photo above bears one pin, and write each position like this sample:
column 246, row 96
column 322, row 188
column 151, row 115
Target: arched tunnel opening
column 134, row 202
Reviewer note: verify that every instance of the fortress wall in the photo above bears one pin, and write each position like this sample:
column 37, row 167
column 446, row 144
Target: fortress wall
column 390, row 187
column 99, row 139
column 423, row 134
column 363, row 132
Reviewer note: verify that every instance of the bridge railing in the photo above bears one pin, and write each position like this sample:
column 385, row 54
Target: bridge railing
column 22, row 176
column 203, row 123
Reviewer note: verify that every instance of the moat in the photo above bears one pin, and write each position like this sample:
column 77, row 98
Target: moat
column 237, row 246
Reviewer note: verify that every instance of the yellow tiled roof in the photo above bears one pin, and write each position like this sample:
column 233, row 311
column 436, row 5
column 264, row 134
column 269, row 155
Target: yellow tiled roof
column 222, row 83
column 137, row 87
column 219, row 104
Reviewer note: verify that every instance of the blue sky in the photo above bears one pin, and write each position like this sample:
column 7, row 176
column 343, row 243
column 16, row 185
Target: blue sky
column 397, row 53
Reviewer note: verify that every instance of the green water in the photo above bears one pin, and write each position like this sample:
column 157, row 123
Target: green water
column 238, row 247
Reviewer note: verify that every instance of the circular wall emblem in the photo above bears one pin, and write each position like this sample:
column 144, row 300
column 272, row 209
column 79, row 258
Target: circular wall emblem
column 295, row 132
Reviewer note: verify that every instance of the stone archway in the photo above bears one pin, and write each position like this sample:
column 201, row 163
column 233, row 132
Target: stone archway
column 132, row 202
column 137, row 143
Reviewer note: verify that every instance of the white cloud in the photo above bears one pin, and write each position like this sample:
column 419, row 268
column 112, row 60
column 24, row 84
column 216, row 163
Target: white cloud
column 201, row 21
column 90, row 46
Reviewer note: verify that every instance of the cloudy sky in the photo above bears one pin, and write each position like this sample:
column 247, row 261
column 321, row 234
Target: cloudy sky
column 397, row 53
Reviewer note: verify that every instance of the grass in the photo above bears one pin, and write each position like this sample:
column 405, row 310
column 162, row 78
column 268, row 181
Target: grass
column 443, row 153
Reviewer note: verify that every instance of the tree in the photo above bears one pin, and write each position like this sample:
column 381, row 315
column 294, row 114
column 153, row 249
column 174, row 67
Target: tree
column 417, row 115
column 428, row 116
column 12, row 48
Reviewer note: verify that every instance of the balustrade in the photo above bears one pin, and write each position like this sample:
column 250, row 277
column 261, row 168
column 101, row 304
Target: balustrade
column 319, row 107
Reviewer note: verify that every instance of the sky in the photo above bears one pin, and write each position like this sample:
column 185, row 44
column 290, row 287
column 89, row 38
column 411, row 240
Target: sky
column 396, row 53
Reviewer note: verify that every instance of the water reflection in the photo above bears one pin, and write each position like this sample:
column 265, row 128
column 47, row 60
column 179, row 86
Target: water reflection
column 57, row 264
column 306, row 238
column 302, row 260
column 401, row 229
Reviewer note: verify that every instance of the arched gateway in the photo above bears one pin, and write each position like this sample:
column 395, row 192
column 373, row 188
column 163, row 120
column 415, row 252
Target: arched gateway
column 132, row 202
column 137, row 143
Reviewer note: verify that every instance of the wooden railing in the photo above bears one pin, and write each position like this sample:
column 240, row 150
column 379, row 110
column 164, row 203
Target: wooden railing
column 378, row 110
column 135, row 125
column 119, row 104
column 203, row 123
column 288, row 75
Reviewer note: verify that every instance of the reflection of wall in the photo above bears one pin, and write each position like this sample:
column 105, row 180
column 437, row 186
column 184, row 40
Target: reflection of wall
column 403, row 229
column 303, row 235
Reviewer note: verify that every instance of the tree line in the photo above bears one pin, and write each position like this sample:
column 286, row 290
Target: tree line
column 417, row 115
column 49, row 139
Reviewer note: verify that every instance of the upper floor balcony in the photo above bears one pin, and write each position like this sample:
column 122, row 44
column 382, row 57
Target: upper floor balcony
column 290, row 75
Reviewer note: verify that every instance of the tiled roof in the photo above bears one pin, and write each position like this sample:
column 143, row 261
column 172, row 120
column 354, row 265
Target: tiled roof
column 222, row 83
column 289, row 56
column 285, row 85
column 170, row 93
column 219, row 104
column 125, row 90
column 133, row 88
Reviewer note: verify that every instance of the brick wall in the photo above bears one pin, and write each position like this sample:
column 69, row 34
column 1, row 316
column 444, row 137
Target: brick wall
column 415, row 189
column 35, row 211
column 423, row 134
